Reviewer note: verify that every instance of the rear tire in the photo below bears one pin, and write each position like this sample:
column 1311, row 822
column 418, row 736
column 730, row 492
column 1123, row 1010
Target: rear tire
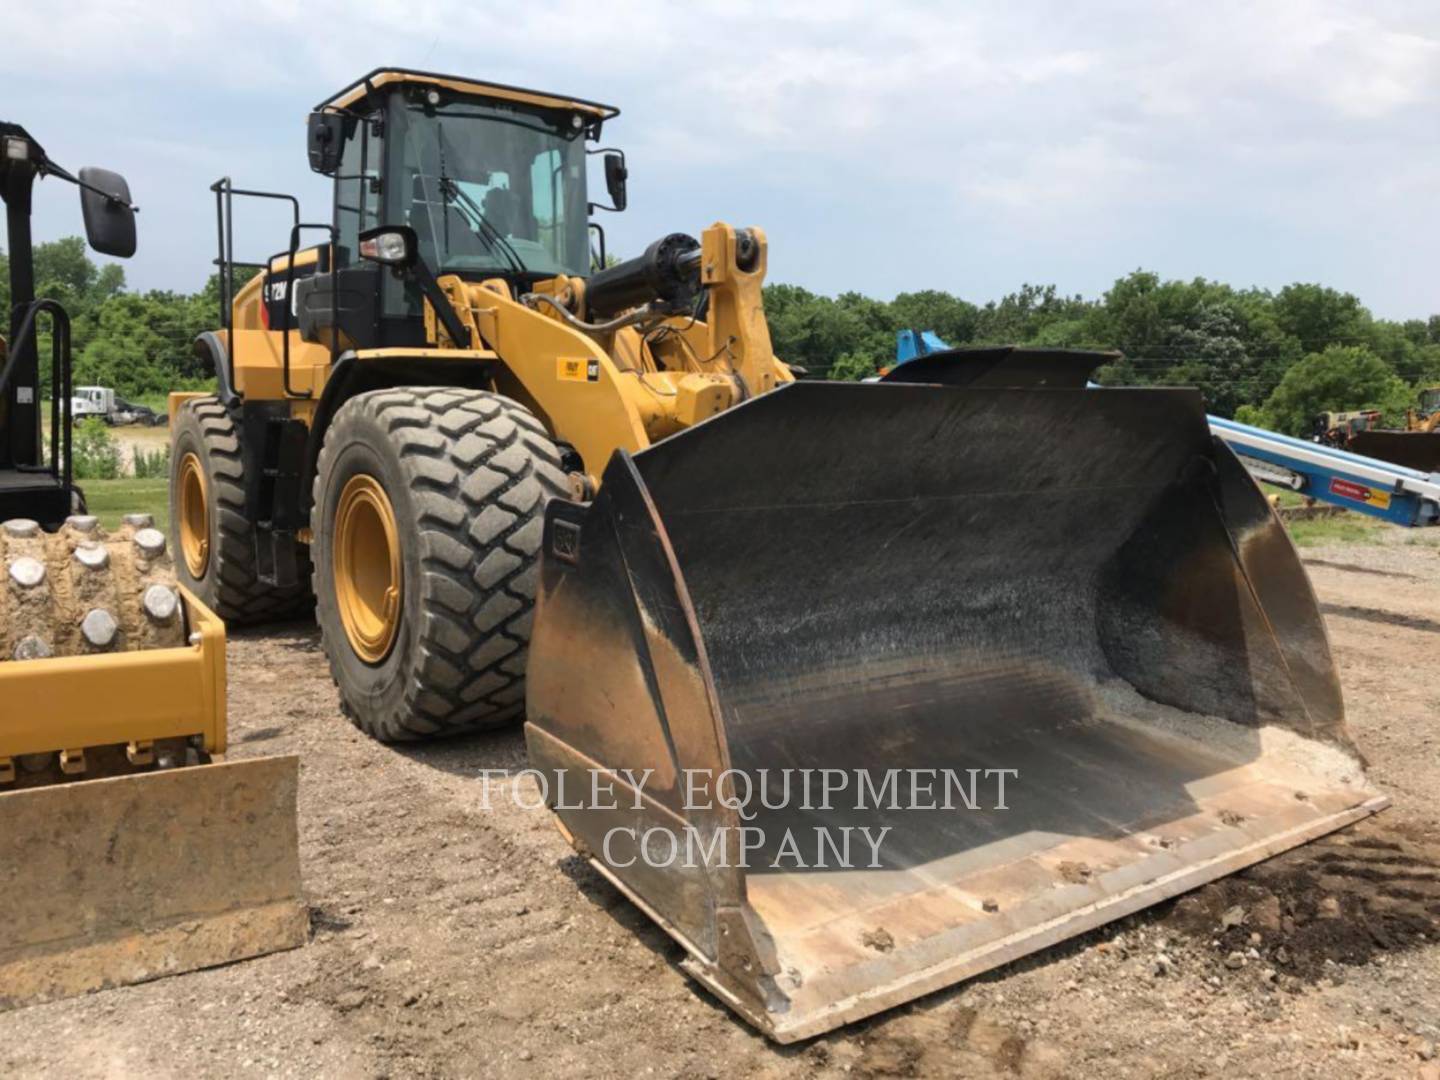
column 465, row 476
column 206, row 445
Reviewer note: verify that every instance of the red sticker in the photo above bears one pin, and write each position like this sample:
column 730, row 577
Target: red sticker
column 1348, row 490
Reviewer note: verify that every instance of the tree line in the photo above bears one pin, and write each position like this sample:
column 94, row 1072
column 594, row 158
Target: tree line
column 1272, row 358
column 1276, row 358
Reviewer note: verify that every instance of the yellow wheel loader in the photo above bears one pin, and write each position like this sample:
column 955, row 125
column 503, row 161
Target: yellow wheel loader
column 749, row 621
column 128, row 850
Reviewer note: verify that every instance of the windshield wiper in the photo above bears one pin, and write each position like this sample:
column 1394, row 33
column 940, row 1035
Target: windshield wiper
column 480, row 224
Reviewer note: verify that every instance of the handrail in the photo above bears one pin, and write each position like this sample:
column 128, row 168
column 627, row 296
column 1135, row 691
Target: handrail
column 225, row 192
column 285, row 327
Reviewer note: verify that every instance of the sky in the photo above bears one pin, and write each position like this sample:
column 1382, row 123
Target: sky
column 970, row 147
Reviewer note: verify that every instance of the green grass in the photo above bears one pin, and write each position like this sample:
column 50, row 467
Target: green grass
column 110, row 500
column 1349, row 529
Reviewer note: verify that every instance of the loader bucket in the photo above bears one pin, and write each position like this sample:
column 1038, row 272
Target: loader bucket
column 1412, row 449
column 126, row 879
column 1081, row 587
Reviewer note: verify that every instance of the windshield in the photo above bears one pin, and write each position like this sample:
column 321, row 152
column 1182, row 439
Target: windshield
column 491, row 189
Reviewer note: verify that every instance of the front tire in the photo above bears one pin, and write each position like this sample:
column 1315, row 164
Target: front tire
column 428, row 513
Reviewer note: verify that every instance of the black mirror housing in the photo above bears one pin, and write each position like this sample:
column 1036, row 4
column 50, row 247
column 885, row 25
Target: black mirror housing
column 616, row 173
column 325, row 141
column 109, row 216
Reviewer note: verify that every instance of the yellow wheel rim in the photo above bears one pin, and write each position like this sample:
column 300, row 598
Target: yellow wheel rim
column 194, row 517
column 367, row 568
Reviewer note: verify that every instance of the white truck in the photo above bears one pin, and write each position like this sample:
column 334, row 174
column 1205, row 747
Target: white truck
column 101, row 401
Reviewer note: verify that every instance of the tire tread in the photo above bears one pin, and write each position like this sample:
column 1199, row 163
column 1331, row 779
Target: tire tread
column 477, row 596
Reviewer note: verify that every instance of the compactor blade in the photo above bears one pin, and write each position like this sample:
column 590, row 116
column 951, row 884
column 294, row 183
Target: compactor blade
column 126, row 879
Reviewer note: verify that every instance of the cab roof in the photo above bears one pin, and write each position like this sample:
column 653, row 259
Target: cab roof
column 388, row 76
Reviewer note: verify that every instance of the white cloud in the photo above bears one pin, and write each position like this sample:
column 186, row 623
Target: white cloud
column 1035, row 124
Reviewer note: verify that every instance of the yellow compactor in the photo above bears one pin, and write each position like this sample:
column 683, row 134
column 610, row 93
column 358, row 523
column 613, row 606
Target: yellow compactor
column 515, row 485
column 128, row 849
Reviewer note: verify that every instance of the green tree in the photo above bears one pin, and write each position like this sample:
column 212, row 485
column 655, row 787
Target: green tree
column 1428, row 366
column 852, row 367
column 1341, row 378
column 955, row 320
column 64, row 266
column 874, row 326
column 1319, row 317
column 65, row 272
column 1253, row 415
column 816, row 331
column 96, row 453
column 1021, row 317
column 141, row 343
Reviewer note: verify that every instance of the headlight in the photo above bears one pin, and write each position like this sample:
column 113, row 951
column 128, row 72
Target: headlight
column 393, row 245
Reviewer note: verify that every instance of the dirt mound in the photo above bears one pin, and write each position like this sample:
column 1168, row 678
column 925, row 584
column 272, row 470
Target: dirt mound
column 1338, row 901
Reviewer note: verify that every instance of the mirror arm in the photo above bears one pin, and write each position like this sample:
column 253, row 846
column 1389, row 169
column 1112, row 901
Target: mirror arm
column 49, row 168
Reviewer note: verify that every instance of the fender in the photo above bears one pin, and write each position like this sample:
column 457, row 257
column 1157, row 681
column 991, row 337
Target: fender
column 358, row 373
column 210, row 344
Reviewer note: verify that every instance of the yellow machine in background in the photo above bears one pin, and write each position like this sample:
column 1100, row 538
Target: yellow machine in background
column 512, row 484
column 127, row 849
column 1426, row 417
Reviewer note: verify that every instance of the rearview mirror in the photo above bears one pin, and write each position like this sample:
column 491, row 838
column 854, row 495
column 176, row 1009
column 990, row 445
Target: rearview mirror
column 109, row 217
column 615, row 176
column 325, row 140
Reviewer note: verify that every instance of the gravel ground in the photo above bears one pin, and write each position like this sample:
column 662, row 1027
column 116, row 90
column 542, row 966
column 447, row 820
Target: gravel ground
column 453, row 941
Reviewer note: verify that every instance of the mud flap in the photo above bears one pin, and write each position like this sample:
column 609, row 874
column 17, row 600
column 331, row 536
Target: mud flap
column 127, row 879
column 924, row 590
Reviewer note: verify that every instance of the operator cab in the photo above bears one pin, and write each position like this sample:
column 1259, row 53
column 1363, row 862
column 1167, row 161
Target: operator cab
column 490, row 179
